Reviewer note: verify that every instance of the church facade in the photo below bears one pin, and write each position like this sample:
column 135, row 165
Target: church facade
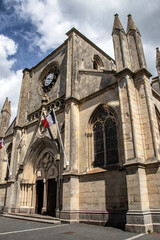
column 108, row 113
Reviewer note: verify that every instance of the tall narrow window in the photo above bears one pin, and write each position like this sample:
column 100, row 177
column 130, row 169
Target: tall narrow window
column 158, row 119
column 98, row 145
column 111, row 142
column 105, row 139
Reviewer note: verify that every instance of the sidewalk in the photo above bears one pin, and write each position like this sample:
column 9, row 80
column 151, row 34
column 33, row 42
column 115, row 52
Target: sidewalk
column 33, row 217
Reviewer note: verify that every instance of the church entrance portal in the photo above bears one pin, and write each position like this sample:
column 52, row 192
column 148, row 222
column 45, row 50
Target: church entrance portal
column 51, row 198
column 40, row 187
column 46, row 187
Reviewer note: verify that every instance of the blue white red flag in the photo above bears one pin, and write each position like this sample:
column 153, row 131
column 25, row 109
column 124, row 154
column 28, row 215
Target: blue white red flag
column 49, row 120
column 2, row 143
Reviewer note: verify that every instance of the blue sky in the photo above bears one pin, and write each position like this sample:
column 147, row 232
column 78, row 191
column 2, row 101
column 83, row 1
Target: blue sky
column 31, row 29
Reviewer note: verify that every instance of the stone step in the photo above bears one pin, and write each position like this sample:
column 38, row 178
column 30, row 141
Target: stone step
column 33, row 217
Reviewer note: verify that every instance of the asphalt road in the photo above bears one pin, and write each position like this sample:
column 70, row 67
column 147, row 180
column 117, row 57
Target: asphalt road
column 15, row 229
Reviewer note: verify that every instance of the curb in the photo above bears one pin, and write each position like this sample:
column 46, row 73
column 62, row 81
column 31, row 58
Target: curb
column 34, row 219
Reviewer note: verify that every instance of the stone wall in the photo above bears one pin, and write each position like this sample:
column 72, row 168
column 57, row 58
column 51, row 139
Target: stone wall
column 103, row 191
column 59, row 58
column 2, row 194
column 109, row 98
column 82, row 59
column 153, row 179
column 94, row 81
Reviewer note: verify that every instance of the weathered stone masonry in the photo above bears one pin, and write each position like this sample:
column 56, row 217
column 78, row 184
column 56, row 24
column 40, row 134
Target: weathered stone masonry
column 108, row 114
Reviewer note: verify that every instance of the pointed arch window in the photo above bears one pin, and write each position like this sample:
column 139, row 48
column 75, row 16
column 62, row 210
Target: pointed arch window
column 158, row 118
column 105, row 139
column 9, row 151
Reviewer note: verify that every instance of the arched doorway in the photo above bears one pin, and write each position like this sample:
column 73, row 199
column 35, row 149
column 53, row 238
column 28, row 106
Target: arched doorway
column 46, row 185
column 40, row 176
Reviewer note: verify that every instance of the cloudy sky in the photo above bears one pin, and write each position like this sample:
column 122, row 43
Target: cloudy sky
column 31, row 29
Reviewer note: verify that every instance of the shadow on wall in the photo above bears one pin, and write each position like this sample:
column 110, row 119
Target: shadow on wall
column 104, row 195
column 116, row 199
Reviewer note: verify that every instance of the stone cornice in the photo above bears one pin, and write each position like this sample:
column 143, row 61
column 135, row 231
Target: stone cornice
column 95, row 94
column 96, row 72
column 127, row 71
column 72, row 99
column 156, row 94
column 153, row 162
column 142, row 71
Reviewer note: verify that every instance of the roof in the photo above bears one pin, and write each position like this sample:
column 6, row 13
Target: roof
column 89, row 41
column 11, row 128
column 65, row 42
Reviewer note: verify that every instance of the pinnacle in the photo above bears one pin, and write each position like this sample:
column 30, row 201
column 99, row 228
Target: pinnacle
column 117, row 24
column 157, row 57
column 6, row 106
column 131, row 25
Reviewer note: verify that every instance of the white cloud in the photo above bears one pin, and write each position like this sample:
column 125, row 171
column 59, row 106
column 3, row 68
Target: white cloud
column 53, row 18
column 48, row 19
column 10, row 81
column 11, row 88
column 7, row 48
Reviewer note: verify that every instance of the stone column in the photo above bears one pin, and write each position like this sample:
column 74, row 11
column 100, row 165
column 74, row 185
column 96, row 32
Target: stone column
column 71, row 135
column 70, row 209
column 33, row 204
column 74, row 136
column 134, row 115
column 44, row 208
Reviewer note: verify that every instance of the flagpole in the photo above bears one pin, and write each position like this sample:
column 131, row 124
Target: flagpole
column 67, row 163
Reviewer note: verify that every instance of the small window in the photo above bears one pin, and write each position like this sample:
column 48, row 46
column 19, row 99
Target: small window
column 98, row 145
column 97, row 63
column 158, row 119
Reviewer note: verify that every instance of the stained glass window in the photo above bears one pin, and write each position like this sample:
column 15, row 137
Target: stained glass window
column 158, row 119
column 111, row 142
column 105, row 139
column 98, row 145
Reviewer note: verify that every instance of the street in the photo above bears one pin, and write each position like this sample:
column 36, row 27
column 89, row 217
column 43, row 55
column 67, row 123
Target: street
column 15, row 229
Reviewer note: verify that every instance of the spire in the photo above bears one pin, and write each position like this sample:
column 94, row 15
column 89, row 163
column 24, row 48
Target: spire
column 117, row 24
column 131, row 25
column 158, row 61
column 7, row 106
column 120, row 45
column 5, row 117
column 135, row 46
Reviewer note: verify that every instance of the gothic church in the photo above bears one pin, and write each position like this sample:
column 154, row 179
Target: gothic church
column 108, row 113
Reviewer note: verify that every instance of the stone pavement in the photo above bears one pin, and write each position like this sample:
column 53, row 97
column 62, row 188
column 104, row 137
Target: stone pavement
column 17, row 229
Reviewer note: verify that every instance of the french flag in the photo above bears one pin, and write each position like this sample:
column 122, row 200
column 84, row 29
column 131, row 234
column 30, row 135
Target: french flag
column 49, row 120
column 1, row 144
